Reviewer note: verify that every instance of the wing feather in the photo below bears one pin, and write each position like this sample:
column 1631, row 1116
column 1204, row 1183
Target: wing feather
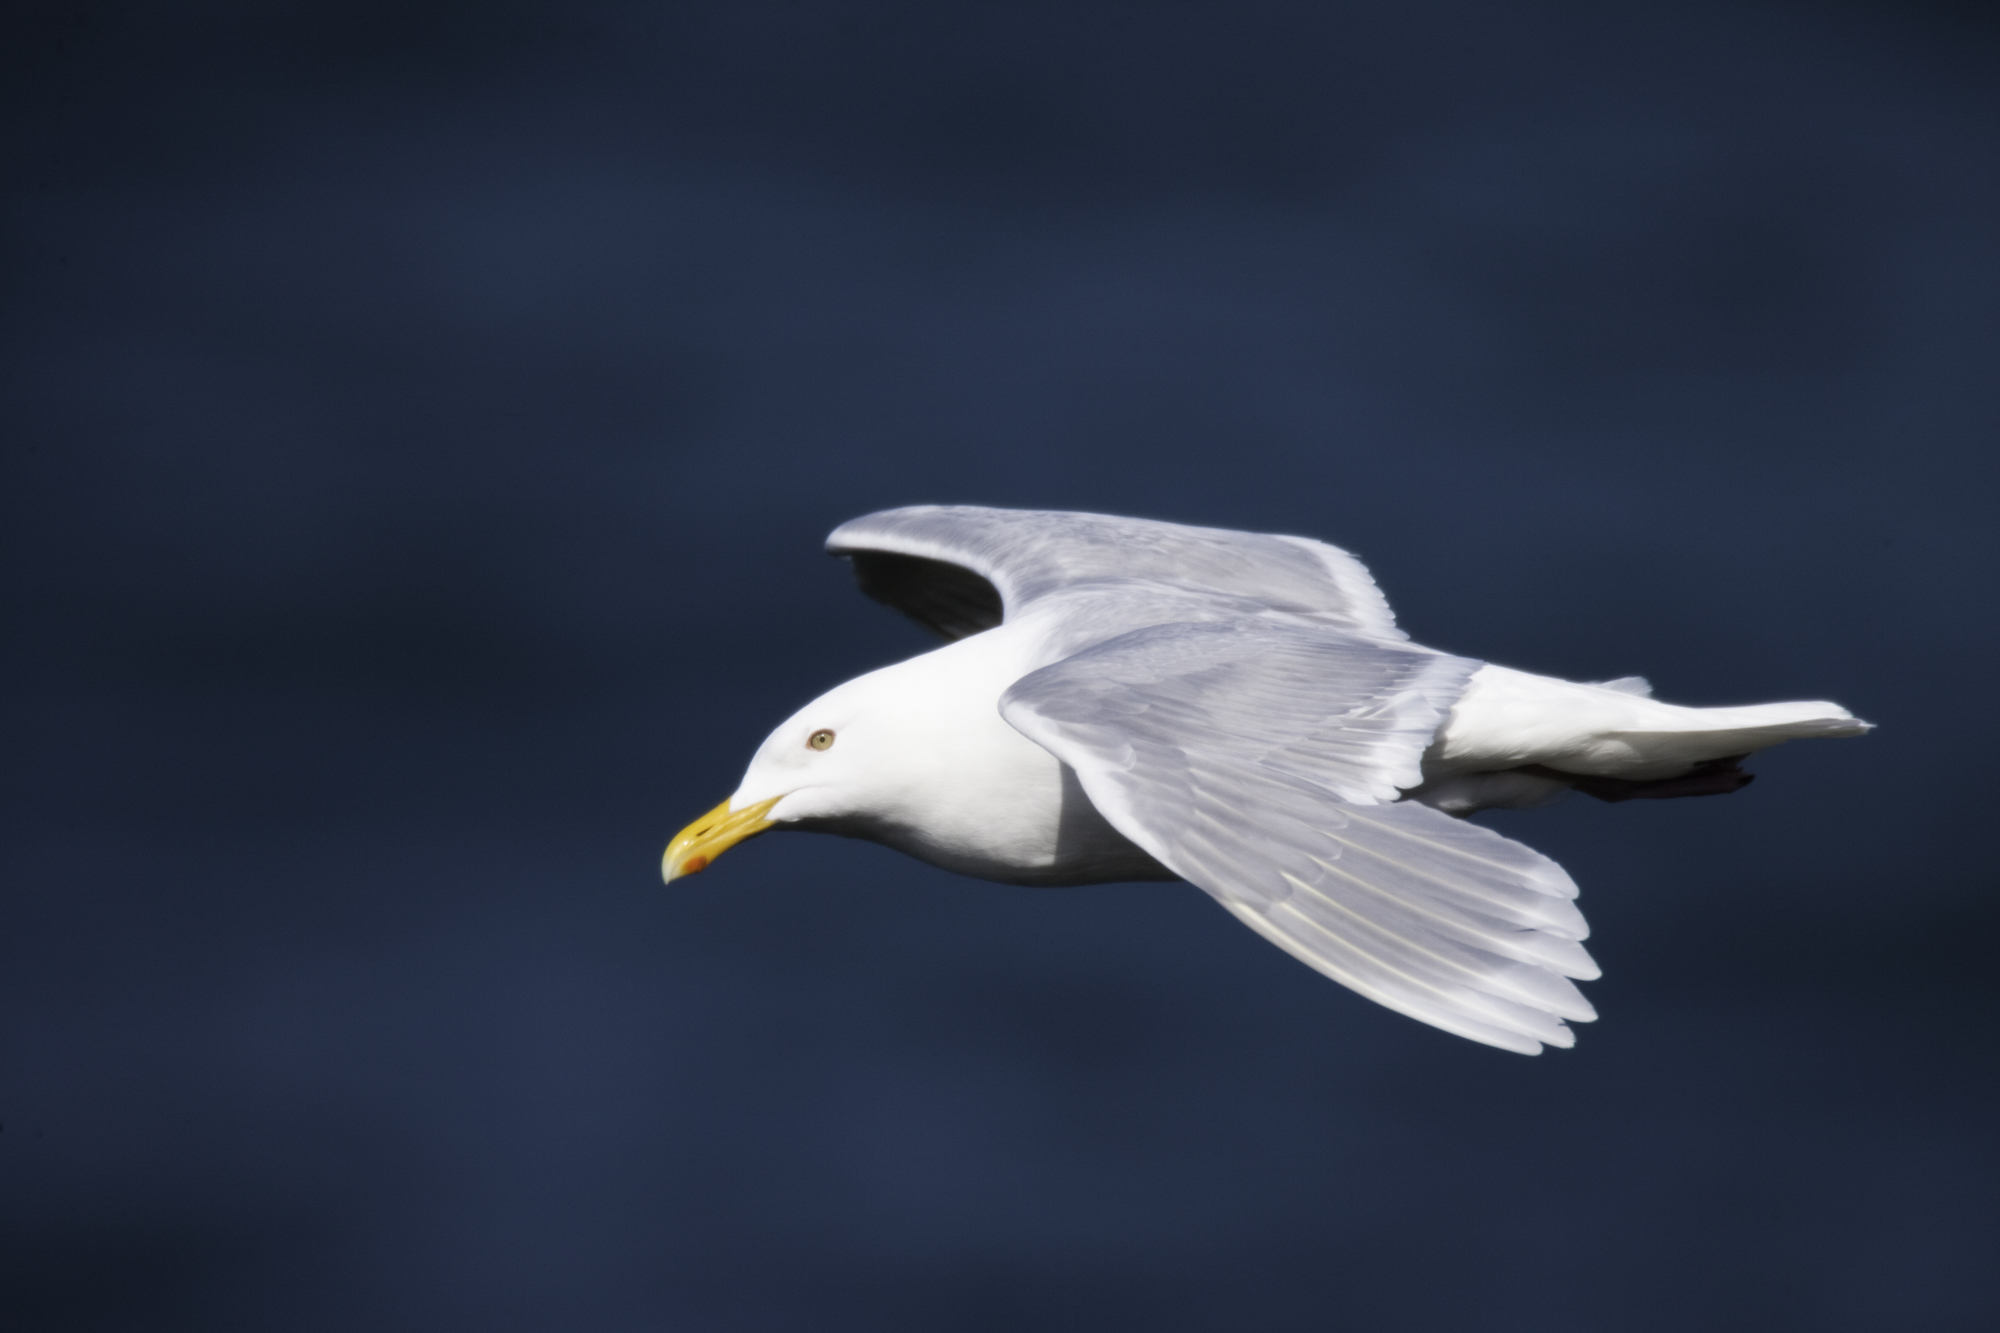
column 1264, row 762
column 1025, row 556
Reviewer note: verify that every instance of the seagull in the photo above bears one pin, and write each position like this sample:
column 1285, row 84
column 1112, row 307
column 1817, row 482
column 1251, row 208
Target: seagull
column 1123, row 699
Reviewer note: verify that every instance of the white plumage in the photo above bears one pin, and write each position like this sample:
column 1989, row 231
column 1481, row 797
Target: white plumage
column 1126, row 699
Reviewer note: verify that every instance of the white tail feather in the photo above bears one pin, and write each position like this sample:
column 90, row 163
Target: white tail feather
column 1507, row 719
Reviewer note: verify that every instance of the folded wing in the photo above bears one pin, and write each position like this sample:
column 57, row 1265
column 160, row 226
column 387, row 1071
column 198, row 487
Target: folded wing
column 1264, row 763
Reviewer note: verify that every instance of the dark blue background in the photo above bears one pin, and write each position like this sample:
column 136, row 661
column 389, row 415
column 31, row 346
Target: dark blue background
column 421, row 422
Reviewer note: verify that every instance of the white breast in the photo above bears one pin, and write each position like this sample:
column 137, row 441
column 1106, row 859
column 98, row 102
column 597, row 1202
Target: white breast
column 977, row 797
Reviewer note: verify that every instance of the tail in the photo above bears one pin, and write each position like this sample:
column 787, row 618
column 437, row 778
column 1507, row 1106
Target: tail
column 1673, row 738
column 1754, row 727
column 1509, row 719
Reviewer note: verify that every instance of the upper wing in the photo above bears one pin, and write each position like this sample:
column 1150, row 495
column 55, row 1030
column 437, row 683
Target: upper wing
column 958, row 569
column 1263, row 762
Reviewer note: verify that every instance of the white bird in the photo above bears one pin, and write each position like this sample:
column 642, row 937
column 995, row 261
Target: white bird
column 1132, row 700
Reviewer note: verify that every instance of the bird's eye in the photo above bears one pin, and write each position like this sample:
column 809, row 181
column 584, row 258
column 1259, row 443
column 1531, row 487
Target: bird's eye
column 820, row 740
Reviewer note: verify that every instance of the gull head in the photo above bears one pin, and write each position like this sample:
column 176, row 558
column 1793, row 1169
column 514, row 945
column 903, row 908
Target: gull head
column 914, row 756
column 823, row 765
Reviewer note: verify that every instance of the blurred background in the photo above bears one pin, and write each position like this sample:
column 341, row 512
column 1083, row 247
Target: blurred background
column 421, row 421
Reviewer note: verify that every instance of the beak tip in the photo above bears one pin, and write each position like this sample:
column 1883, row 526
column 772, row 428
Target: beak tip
column 694, row 865
column 697, row 845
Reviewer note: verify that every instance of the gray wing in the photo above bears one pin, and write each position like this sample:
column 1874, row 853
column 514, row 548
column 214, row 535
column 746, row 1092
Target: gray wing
column 1263, row 762
column 959, row 569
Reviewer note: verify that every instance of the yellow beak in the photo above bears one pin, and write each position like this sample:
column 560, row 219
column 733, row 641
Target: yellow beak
column 712, row 835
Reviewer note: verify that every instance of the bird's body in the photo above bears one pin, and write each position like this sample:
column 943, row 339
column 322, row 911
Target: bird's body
column 1132, row 700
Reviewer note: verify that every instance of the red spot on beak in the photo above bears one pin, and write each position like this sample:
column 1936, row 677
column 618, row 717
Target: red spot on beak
column 694, row 864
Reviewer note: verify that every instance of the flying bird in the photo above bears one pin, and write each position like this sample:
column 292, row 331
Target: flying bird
column 1122, row 699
